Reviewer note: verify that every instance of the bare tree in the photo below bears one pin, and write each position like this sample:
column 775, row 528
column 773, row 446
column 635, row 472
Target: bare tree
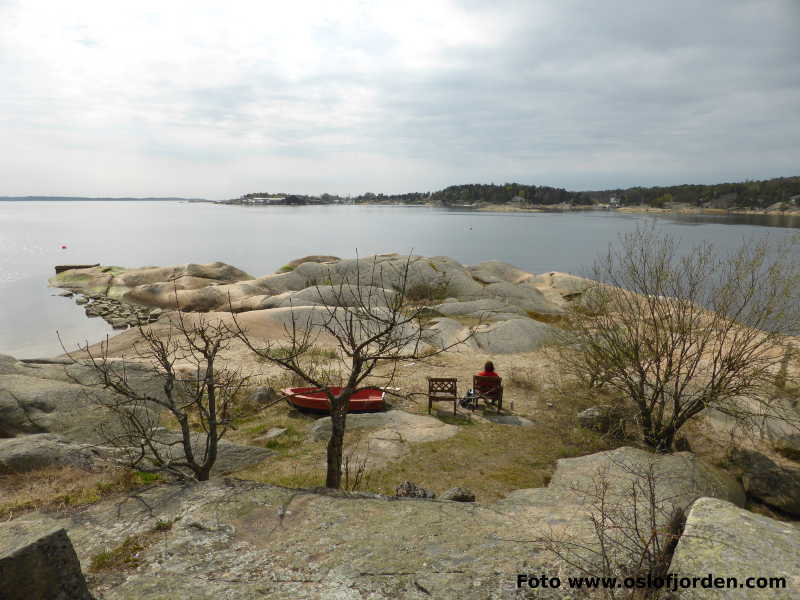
column 371, row 321
column 677, row 333
column 197, row 393
column 635, row 527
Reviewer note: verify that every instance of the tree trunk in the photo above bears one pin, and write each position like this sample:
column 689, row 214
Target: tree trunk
column 339, row 408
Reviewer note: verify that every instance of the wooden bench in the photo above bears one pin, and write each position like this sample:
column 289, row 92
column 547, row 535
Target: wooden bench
column 442, row 389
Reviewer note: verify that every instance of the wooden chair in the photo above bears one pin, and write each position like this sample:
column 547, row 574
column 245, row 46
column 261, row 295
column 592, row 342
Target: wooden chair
column 442, row 389
column 490, row 389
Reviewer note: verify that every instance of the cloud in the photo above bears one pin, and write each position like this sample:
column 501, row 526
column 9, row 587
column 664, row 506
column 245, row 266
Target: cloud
column 193, row 98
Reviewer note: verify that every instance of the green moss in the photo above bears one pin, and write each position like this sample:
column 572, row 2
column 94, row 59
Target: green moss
column 162, row 525
column 286, row 269
column 124, row 556
column 144, row 477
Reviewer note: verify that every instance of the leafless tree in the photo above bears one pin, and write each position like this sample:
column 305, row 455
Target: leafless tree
column 635, row 527
column 197, row 393
column 371, row 321
column 675, row 332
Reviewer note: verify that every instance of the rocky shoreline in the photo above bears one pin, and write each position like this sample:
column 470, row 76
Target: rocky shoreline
column 118, row 314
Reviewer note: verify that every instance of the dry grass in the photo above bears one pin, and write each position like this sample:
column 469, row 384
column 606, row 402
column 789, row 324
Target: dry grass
column 61, row 488
column 490, row 459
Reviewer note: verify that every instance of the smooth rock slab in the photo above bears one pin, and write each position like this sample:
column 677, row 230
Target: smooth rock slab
column 240, row 540
column 727, row 541
column 41, row 568
column 416, row 428
column 36, row 451
column 515, row 420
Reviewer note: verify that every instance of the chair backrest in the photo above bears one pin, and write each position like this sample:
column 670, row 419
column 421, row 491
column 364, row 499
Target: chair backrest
column 442, row 386
column 487, row 385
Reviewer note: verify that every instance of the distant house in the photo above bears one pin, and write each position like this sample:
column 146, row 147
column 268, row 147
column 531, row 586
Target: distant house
column 264, row 200
column 613, row 202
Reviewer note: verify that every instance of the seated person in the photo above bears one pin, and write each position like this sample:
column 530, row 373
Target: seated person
column 471, row 398
column 488, row 370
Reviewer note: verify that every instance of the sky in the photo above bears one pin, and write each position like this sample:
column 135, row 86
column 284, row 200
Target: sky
column 216, row 99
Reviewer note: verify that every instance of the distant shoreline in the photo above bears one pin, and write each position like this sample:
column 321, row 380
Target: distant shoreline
column 94, row 199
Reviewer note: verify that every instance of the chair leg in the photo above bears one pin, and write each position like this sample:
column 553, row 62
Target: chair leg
column 454, row 406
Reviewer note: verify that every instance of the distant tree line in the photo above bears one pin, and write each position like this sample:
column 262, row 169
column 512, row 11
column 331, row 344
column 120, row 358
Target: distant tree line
column 504, row 194
column 747, row 194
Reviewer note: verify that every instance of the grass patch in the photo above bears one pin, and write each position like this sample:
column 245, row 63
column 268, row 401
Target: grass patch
column 124, row 556
column 287, row 269
column 523, row 379
column 128, row 554
column 490, row 459
column 313, row 353
column 60, row 488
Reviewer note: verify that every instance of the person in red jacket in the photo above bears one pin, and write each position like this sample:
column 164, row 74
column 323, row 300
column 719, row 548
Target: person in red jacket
column 488, row 370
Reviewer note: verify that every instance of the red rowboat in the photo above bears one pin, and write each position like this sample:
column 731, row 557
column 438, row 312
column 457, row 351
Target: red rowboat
column 311, row 399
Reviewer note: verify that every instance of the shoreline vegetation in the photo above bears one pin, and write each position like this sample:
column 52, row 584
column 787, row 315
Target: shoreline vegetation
column 772, row 196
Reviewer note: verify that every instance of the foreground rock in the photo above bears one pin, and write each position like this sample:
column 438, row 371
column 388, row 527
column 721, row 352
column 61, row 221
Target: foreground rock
column 48, row 418
column 43, row 567
column 769, row 482
column 239, row 540
column 507, row 299
column 727, row 541
column 36, row 451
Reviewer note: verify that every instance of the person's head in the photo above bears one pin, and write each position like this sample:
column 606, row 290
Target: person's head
column 489, row 367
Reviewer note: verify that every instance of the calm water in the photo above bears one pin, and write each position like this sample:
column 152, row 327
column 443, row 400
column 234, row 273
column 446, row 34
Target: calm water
column 261, row 239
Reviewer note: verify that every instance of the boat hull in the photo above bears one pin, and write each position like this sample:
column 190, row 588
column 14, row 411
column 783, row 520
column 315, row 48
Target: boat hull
column 313, row 400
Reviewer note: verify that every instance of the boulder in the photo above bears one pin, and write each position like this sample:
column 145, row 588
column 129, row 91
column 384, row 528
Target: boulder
column 769, row 482
column 48, row 398
column 315, row 258
column 603, row 419
column 41, row 566
column 495, row 271
column 681, row 477
column 411, row 490
column 459, row 494
column 263, row 394
column 724, row 540
column 36, row 451
column 788, row 446
column 271, row 434
column 485, row 308
column 516, row 335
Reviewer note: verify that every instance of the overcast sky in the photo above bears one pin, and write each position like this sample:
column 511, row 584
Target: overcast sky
column 216, row 99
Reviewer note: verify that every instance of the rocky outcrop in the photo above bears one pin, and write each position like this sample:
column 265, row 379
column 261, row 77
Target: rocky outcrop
column 36, row 451
column 727, row 541
column 492, row 291
column 237, row 539
column 767, row 481
column 412, row 490
column 120, row 315
column 41, row 566
column 48, row 417
column 679, row 478
column 50, row 398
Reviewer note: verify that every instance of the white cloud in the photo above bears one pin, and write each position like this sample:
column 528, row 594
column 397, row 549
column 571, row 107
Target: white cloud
column 204, row 99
